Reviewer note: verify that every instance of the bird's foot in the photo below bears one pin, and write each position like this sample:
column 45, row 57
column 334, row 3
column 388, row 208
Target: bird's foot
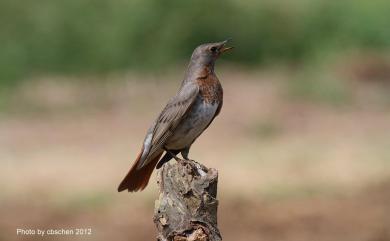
column 179, row 160
column 196, row 166
column 189, row 160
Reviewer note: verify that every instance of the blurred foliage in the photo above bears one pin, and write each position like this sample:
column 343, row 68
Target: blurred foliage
column 101, row 36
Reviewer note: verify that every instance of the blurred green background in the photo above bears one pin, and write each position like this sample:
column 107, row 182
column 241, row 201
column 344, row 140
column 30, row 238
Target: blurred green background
column 100, row 36
column 301, row 144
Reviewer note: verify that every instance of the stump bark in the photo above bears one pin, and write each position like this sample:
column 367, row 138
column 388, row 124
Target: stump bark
column 187, row 207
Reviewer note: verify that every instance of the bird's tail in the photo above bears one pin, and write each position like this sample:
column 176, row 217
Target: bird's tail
column 137, row 179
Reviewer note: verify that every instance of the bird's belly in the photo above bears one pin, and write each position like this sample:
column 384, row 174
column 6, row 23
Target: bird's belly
column 200, row 115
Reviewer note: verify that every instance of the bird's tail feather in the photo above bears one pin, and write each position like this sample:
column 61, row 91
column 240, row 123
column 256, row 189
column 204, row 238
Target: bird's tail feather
column 137, row 179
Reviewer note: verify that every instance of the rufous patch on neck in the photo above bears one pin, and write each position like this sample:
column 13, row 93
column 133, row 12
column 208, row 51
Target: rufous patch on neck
column 210, row 88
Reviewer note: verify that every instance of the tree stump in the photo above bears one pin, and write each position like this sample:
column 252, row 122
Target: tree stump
column 187, row 207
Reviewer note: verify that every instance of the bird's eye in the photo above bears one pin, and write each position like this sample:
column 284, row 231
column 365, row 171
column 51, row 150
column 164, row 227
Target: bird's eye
column 213, row 49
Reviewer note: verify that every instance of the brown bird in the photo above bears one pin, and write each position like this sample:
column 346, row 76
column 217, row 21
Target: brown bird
column 184, row 118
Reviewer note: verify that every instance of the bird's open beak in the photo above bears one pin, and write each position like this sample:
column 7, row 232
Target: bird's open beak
column 225, row 48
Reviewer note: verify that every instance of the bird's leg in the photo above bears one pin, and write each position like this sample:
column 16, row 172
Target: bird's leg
column 173, row 156
column 184, row 153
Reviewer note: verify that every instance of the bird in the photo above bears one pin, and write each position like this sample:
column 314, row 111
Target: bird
column 184, row 118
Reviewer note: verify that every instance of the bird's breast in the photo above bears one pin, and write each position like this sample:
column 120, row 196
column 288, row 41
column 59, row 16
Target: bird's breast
column 210, row 89
column 195, row 122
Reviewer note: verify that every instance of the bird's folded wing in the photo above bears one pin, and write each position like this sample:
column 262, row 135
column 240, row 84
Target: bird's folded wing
column 171, row 116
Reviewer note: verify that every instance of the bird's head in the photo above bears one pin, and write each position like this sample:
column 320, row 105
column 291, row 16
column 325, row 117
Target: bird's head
column 207, row 54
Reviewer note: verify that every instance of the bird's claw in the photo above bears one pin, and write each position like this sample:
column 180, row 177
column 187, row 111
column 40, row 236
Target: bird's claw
column 179, row 160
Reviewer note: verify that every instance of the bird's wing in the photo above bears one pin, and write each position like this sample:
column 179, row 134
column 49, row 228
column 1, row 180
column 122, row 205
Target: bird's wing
column 169, row 118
